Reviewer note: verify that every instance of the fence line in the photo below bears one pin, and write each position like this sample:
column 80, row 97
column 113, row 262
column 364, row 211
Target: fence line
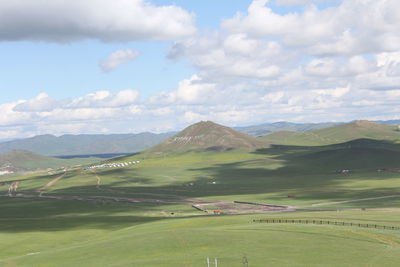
column 198, row 208
column 260, row 204
column 362, row 225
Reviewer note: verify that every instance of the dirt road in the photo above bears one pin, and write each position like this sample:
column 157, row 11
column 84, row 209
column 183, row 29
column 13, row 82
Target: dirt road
column 13, row 188
column 51, row 183
column 98, row 198
column 353, row 200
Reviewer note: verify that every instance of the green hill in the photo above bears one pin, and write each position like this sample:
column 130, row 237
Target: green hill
column 22, row 160
column 336, row 134
column 351, row 157
column 160, row 210
column 207, row 136
column 142, row 214
column 267, row 128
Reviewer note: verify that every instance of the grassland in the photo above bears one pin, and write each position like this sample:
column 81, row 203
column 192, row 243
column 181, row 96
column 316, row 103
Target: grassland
column 141, row 215
column 20, row 161
column 337, row 134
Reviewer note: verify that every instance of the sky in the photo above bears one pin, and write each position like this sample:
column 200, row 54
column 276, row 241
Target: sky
column 128, row 66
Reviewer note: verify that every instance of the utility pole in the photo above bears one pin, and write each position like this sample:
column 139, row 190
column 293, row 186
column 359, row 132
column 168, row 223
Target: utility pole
column 215, row 262
column 245, row 261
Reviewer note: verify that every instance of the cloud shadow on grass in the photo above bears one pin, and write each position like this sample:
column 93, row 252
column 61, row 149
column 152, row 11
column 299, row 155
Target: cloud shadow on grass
column 308, row 171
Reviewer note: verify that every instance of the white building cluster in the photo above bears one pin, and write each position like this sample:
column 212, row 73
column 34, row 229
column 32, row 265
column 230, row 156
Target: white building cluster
column 6, row 169
column 112, row 165
column 6, row 172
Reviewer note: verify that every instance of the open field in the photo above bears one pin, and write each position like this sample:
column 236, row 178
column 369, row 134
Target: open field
column 142, row 215
column 114, row 236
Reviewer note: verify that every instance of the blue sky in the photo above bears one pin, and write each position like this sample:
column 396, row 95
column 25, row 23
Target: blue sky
column 71, row 69
column 160, row 65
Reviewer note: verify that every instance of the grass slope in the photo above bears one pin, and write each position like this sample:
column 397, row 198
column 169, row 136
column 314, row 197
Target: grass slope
column 207, row 136
column 21, row 160
column 267, row 128
column 162, row 229
column 336, row 134
column 107, row 236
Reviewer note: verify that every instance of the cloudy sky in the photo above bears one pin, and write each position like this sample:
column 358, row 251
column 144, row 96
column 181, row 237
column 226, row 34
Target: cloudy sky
column 100, row 66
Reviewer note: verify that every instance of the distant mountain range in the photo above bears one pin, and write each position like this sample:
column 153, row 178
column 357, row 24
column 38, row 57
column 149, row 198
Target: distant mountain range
column 204, row 136
column 51, row 145
column 100, row 144
column 392, row 122
column 267, row 128
column 207, row 136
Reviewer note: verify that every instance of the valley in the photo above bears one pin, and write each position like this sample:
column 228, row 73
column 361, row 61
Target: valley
column 184, row 203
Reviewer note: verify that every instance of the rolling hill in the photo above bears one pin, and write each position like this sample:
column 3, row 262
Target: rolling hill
column 22, row 160
column 207, row 136
column 337, row 134
column 101, row 144
column 284, row 126
column 353, row 155
column 267, row 128
column 145, row 214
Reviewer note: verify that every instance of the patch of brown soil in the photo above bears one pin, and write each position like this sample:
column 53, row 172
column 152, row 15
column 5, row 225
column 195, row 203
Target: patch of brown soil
column 51, row 183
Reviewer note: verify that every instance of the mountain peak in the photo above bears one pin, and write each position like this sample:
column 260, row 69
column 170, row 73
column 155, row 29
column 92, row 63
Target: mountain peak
column 207, row 136
column 366, row 124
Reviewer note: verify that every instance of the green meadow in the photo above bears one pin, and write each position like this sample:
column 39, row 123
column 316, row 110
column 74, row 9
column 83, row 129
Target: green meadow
column 142, row 214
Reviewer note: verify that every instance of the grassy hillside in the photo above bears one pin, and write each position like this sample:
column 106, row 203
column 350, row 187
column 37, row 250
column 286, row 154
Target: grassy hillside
column 123, row 239
column 99, row 229
column 336, row 134
column 207, row 136
column 142, row 214
column 21, row 160
column 267, row 128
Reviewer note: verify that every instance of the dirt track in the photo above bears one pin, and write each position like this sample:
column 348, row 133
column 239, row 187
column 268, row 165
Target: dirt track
column 98, row 179
column 231, row 207
column 353, row 200
column 99, row 198
column 51, row 183
column 13, row 188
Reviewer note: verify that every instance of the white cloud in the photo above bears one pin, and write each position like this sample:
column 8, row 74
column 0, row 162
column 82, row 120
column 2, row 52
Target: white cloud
column 10, row 117
column 42, row 102
column 195, row 100
column 302, row 2
column 105, row 99
column 118, row 58
column 390, row 62
column 336, row 93
column 393, row 93
column 259, row 66
column 330, row 66
column 274, row 97
column 190, row 91
column 92, row 113
column 229, row 56
column 366, row 103
column 193, row 90
column 117, row 20
column 310, row 49
column 331, row 31
column 322, row 67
